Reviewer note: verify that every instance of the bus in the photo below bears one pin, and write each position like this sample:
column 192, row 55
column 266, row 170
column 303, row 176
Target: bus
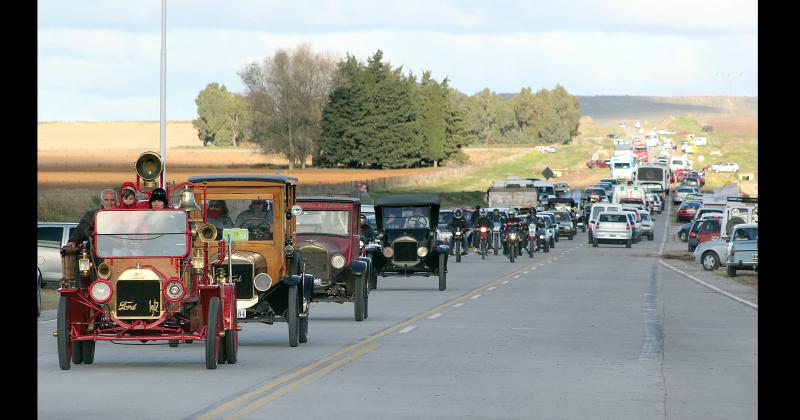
column 653, row 173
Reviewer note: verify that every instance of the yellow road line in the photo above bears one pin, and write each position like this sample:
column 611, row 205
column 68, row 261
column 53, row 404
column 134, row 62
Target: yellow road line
column 230, row 405
column 255, row 405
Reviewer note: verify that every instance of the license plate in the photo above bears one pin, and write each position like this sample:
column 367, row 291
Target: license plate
column 755, row 257
column 241, row 313
column 613, row 236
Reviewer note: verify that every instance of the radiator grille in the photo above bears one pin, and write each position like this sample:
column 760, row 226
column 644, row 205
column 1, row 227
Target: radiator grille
column 316, row 262
column 405, row 251
column 243, row 279
column 139, row 299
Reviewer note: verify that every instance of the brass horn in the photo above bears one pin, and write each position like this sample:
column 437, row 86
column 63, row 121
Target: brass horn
column 188, row 202
column 207, row 232
column 149, row 167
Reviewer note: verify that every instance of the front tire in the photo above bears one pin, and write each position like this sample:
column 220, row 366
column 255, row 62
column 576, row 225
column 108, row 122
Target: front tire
column 212, row 333
column 292, row 316
column 358, row 307
column 442, row 272
column 546, row 246
column 457, row 248
column 512, row 252
column 231, row 346
column 64, row 341
column 87, row 351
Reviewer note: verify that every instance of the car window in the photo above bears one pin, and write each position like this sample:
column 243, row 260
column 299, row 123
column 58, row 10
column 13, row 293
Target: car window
column 615, row 218
column 324, row 222
column 645, row 216
column 50, row 233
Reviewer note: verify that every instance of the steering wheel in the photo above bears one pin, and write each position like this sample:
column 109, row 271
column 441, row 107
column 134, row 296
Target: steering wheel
column 418, row 221
column 258, row 232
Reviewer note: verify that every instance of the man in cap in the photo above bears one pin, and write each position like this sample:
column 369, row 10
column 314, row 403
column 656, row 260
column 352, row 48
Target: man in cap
column 258, row 210
column 85, row 228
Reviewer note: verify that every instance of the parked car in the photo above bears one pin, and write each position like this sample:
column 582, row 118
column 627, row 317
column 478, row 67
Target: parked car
column 328, row 235
column 51, row 236
column 613, row 227
column 725, row 167
column 713, row 254
column 743, row 251
column 687, row 210
column 407, row 226
column 596, row 163
column 704, row 230
column 38, row 292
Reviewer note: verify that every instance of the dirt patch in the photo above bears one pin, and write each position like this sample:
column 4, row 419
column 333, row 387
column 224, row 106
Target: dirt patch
column 677, row 255
column 743, row 125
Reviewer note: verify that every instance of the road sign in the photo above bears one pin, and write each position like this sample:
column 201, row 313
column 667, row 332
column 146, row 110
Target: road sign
column 547, row 173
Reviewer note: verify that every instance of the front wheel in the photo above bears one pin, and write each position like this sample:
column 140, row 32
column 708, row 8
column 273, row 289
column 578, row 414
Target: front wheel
column 231, row 346
column 512, row 252
column 292, row 316
column 483, row 250
column 442, row 272
column 710, row 261
column 359, row 297
column 373, row 277
column 546, row 246
column 594, row 243
column 64, row 341
column 457, row 248
column 212, row 333
column 650, row 237
column 570, row 237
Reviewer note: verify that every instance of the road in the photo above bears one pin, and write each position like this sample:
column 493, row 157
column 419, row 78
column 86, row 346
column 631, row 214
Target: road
column 578, row 333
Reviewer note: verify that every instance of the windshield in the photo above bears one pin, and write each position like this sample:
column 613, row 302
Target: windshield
column 622, row 165
column 445, row 217
column 141, row 233
column 406, row 217
column 645, row 216
column 324, row 222
column 562, row 217
column 549, row 190
column 650, row 174
column 255, row 215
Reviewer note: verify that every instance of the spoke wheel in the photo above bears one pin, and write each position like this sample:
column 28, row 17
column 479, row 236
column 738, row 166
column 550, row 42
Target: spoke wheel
column 213, row 340
column 63, row 339
column 293, row 317
column 359, row 295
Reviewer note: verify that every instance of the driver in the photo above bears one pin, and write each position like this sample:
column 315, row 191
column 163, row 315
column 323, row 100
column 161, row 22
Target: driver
column 218, row 216
column 257, row 219
column 258, row 209
column 415, row 220
column 459, row 221
column 511, row 220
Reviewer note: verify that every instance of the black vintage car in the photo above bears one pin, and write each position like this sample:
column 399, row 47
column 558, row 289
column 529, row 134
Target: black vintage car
column 407, row 238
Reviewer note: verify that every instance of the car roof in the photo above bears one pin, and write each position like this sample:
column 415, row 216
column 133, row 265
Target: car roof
column 408, row 199
column 244, row 177
column 330, row 199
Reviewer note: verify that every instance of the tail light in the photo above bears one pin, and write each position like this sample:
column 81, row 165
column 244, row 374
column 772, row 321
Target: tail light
column 732, row 253
column 597, row 226
column 692, row 234
column 628, row 226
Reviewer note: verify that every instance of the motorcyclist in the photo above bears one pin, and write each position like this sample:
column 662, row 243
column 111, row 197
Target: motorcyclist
column 511, row 220
column 494, row 218
column 459, row 221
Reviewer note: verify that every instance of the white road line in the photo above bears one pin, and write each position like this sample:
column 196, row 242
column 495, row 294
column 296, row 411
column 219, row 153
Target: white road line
column 736, row 298
column 49, row 320
column 434, row 316
column 458, row 304
column 533, row 268
column 475, row 296
column 492, row 288
column 522, row 328
column 527, row 272
column 517, row 276
column 666, row 228
column 407, row 329
column 505, row 282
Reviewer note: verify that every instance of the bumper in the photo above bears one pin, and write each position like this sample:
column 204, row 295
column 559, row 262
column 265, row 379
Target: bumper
column 618, row 236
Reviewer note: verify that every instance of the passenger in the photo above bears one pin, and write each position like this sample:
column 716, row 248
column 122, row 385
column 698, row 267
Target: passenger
column 85, row 228
column 476, row 215
column 217, row 215
column 158, row 198
column 127, row 198
column 366, row 229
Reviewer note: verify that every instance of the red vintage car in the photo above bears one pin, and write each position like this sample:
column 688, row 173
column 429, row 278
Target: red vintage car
column 146, row 277
column 328, row 236
column 594, row 163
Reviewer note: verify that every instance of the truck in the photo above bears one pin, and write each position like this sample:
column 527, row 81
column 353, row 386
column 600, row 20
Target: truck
column 623, row 167
column 629, row 193
column 512, row 192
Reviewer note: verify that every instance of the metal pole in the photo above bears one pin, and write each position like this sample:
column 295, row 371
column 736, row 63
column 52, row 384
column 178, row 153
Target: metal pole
column 164, row 90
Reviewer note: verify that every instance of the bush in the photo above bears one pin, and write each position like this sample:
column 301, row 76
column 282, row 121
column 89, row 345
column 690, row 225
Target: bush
column 707, row 129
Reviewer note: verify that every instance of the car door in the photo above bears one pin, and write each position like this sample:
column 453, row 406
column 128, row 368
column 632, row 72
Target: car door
column 709, row 230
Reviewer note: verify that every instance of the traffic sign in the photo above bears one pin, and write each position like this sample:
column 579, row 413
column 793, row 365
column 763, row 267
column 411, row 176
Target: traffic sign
column 547, row 173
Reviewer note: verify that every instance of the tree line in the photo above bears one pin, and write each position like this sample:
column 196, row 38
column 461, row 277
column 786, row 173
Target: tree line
column 304, row 104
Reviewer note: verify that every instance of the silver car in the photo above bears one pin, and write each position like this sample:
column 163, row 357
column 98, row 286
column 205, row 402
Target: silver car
column 613, row 227
column 682, row 192
column 51, row 236
column 647, row 226
column 714, row 253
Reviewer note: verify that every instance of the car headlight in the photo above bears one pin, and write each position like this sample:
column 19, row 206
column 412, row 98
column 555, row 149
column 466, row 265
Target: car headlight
column 338, row 261
column 100, row 291
column 422, row 251
column 174, row 290
column 388, row 252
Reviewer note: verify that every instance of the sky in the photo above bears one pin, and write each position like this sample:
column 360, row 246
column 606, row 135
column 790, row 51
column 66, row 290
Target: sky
column 100, row 60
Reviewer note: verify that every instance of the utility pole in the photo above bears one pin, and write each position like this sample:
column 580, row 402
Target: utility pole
column 163, row 123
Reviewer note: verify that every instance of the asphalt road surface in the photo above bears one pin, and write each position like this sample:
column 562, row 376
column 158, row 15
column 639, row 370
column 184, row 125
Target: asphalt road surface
column 577, row 333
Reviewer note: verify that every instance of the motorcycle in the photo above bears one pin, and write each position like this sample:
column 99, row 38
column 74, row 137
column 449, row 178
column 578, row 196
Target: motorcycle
column 483, row 244
column 458, row 242
column 496, row 237
column 533, row 240
column 543, row 243
column 513, row 241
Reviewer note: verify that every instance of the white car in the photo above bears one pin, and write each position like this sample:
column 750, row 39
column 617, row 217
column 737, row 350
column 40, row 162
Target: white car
column 647, row 226
column 613, row 227
column 725, row 167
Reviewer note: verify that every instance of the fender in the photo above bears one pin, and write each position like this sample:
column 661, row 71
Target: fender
column 358, row 267
column 292, row 280
column 443, row 249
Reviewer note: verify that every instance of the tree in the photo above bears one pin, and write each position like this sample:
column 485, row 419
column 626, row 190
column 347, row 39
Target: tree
column 431, row 100
column 286, row 95
column 220, row 116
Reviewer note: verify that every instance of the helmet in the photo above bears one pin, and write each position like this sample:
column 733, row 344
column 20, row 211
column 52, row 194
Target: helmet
column 159, row 194
column 458, row 213
column 511, row 213
column 496, row 212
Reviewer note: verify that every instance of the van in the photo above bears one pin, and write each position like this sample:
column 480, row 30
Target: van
column 623, row 167
column 679, row 162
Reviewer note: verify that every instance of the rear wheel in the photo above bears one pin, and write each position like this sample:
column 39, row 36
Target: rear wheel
column 221, row 354
column 731, row 271
column 64, row 341
column 231, row 346
column 650, row 236
column 373, row 277
column 173, row 343
column 292, row 316
column 87, row 351
column 628, row 243
column 212, row 333
column 594, row 243
column 359, row 297
column 442, row 272
column 710, row 261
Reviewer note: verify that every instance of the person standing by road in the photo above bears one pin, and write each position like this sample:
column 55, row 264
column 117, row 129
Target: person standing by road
column 85, row 228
